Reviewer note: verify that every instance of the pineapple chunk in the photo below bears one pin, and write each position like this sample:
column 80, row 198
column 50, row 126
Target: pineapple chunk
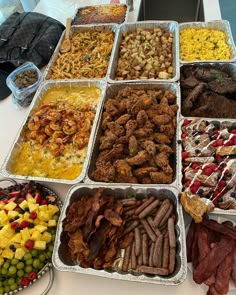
column 10, row 206
column 43, row 223
column 20, row 252
column 25, row 234
column 52, row 222
column 7, row 231
column 46, row 236
column 43, row 208
column 36, row 235
column 7, row 253
column 16, row 238
column 33, row 207
column 53, row 209
column 30, row 198
column 40, row 245
column 3, row 242
column 40, row 228
column 12, row 214
column 3, row 218
column 43, row 216
column 23, row 204
column 27, row 216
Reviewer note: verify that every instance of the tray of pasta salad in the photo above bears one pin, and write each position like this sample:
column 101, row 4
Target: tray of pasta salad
column 88, row 56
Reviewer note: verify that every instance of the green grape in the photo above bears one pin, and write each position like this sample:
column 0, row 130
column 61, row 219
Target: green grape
column 13, row 287
column 41, row 265
column 42, row 257
column 20, row 265
column 2, row 290
column 50, row 248
column 4, row 271
column 6, row 265
column 36, row 263
column 5, row 283
column 53, row 237
column 34, row 253
column 14, row 261
column 29, row 261
column 28, row 268
column 28, row 256
column 1, row 283
column 12, row 270
column 55, row 217
column 7, row 289
column 20, row 273
column 11, row 281
column 18, row 280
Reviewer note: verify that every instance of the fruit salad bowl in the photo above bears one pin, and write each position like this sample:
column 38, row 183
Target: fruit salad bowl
column 28, row 218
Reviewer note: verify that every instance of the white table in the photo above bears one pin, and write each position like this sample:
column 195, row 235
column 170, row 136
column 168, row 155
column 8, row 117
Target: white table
column 72, row 283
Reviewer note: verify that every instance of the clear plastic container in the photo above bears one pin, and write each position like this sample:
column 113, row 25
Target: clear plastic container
column 23, row 96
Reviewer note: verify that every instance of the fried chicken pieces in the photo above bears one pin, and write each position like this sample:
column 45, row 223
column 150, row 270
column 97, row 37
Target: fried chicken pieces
column 136, row 142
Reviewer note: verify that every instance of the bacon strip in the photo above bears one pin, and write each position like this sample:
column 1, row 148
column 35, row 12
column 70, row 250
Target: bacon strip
column 207, row 266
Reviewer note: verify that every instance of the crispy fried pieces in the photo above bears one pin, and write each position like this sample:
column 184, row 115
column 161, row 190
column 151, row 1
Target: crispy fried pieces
column 94, row 226
column 138, row 128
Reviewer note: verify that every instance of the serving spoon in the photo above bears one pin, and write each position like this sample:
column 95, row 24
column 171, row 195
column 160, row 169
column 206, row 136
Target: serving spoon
column 66, row 44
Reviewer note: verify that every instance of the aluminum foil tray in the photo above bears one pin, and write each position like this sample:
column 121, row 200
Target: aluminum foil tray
column 229, row 68
column 6, row 167
column 75, row 21
column 81, row 28
column 111, row 92
column 170, row 26
column 221, row 25
column 62, row 262
column 216, row 210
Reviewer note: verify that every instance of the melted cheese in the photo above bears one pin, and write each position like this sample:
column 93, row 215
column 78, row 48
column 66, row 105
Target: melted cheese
column 37, row 160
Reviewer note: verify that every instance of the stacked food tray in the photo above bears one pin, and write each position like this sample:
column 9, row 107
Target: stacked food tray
column 135, row 145
column 65, row 261
column 36, row 123
column 110, row 13
column 207, row 102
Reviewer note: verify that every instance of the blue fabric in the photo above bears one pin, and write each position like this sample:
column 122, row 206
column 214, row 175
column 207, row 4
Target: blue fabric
column 228, row 12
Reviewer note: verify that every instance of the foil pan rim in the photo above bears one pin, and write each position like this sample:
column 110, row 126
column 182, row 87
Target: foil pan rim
column 143, row 23
column 216, row 210
column 205, row 24
column 108, row 4
column 88, row 180
column 82, row 175
column 179, row 277
column 114, row 28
